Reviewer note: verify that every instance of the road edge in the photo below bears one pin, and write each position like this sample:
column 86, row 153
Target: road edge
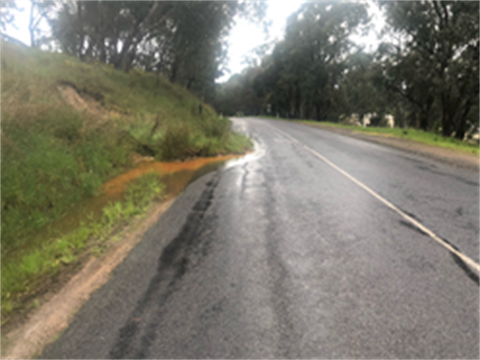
column 445, row 155
column 52, row 317
column 458, row 159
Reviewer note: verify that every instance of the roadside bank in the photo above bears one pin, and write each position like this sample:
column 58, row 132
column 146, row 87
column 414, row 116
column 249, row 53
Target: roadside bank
column 27, row 332
column 457, row 158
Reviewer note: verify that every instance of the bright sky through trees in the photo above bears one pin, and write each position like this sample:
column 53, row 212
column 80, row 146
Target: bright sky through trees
column 245, row 36
column 19, row 30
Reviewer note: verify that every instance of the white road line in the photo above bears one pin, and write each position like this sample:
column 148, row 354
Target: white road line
column 430, row 233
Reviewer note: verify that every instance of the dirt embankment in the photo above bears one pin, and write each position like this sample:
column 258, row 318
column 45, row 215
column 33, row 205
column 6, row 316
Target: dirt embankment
column 452, row 157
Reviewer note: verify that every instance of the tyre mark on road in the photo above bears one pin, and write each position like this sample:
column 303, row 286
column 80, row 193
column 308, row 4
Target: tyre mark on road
column 137, row 335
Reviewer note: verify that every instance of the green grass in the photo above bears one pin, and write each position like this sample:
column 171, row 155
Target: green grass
column 23, row 274
column 55, row 155
column 408, row 134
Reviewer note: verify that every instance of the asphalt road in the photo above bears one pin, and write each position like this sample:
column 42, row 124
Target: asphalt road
column 281, row 255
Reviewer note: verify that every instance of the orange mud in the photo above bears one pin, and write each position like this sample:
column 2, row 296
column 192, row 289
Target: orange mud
column 175, row 175
column 118, row 184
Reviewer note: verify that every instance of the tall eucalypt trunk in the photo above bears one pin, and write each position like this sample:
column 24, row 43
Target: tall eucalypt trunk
column 447, row 115
column 425, row 114
column 31, row 25
column 123, row 61
column 38, row 11
column 81, row 33
column 462, row 122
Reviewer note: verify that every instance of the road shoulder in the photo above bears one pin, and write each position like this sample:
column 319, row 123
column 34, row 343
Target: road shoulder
column 455, row 158
column 27, row 339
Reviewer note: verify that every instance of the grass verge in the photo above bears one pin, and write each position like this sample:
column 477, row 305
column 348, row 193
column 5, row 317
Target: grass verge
column 407, row 134
column 23, row 276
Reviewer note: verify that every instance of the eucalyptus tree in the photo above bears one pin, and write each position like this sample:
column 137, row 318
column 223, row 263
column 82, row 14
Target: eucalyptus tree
column 7, row 13
column 242, row 93
column 184, row 41
column 302, row 75
column 198, row 43
column 310, row 60
column 361, row 85
column 107, row 31
column 433, row 61
column 39, row 10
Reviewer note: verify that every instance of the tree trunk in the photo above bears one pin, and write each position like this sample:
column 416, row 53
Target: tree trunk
column 317, row 110
column 80, row 30
column 31, row 28
column 450, row 107
column 423, row 123
column 174, row 73
column 298, row 101
column 103, row 52
column 190, row 82
column 290, row 101
column 122, row 62
column 425, row 114
column 101, row 34
column 462, row 122
column 446, row 116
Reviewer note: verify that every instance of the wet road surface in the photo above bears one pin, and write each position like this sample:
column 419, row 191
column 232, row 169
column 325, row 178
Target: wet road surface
column 282, row 256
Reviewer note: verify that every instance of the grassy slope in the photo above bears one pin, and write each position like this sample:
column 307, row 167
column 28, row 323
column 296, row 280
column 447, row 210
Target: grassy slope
column 408, row 134
column 53, row 155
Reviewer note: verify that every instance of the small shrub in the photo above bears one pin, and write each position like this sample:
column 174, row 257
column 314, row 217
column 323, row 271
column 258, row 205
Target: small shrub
column 177, row 143
column 216, row 127
column 142, row 191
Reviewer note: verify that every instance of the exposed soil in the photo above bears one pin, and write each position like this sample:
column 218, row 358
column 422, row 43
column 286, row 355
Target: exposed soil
column 83, row 102
column 26, row 338
column 456, row 158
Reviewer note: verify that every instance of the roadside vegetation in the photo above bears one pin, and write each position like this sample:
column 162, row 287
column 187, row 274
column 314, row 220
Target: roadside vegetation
column 67, row 127
column 424, row 74
column 55, row 153
column 420, row 136
column 24, row 274
column 424, row 137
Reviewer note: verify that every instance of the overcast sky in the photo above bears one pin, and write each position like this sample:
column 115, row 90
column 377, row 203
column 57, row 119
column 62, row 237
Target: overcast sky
column 244, row 36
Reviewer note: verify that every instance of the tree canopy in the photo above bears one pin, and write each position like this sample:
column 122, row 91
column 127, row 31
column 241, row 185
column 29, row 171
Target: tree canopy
column 425, row 73
column 433, row 65
column 184, row 41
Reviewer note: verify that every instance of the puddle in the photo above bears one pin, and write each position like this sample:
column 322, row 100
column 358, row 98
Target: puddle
column 175, row 175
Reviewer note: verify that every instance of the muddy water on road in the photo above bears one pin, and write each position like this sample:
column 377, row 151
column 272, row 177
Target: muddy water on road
column 175, row 175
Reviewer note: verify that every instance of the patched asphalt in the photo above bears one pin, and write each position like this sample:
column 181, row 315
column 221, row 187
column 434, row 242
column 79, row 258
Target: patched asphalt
column 281, row 256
